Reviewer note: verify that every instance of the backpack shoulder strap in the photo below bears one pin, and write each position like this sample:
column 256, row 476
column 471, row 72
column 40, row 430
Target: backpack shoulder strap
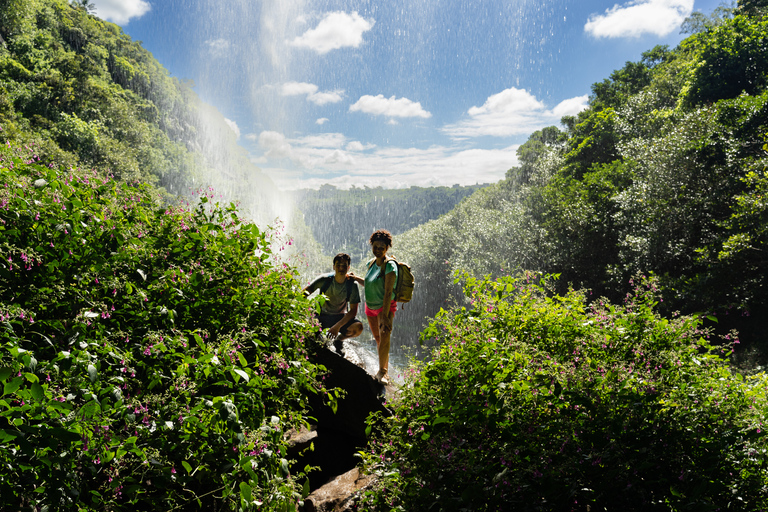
column 350, row 283
column 326, row 283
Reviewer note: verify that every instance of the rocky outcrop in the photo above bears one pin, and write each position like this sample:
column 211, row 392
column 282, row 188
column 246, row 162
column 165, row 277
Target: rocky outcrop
column 339, row 435
column 340, row 494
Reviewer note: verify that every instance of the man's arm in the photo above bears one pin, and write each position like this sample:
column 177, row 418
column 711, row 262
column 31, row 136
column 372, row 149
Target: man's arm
column 311, row 287
column 351, row 313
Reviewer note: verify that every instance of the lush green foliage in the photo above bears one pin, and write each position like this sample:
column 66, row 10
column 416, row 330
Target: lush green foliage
column 151, row 357
column 535, row 401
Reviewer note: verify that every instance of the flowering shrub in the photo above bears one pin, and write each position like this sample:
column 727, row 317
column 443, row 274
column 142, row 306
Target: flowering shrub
column 151, row 357
column 541, row 402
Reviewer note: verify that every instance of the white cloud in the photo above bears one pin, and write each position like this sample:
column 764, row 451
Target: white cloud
column 323, row 140
column 356, row 145
column 121, row 11
column 274, row 145
column 234, row 126
column 512, row 112
column 323, row 98
column 635, row 18
column 571, row 106
column 322, row 121
column 336, row 30
column 297, row 89
column 315, row 161
column 339, row 157
column 391, row 107
column 311, row 92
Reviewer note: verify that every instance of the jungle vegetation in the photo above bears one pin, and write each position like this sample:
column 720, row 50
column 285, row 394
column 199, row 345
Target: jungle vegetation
column 154, row 349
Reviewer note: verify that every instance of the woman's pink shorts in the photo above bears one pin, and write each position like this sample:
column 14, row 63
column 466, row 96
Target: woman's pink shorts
column 375, row 312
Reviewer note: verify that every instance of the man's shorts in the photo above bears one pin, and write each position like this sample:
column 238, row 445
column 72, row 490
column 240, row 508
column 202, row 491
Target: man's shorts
column 328, row 321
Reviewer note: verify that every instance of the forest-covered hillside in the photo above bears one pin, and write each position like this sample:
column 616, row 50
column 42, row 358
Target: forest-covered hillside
column 665, row 172
column 342, row 220
column 87, row 94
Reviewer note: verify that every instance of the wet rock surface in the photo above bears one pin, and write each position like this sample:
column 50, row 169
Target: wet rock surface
column 336, row 437
column 338, row 495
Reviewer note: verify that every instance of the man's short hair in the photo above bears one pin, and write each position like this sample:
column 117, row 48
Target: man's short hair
column 342, row 256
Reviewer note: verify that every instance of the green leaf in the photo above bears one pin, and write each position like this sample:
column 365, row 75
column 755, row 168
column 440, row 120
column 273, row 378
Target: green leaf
column 245, row 492
column 5, row 373
column 7, row 435
column 38, row 393
column 12, row 386
column 186, row 466
column 440, row 419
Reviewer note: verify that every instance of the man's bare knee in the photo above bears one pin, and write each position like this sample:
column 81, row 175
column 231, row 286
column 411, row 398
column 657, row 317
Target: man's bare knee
column 355, row 330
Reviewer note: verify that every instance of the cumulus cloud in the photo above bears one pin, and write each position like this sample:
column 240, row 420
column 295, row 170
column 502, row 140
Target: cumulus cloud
column 639, row 17
column 274, row 145
column 390, row 107
column 297, row 89
column 512, row 112
column 323, row 140
column 356, row 145
column 311, row 92
column 311, row 160
column 571, row 106
column 336, row 30
column 121, row 11
column 339, row 157
column 404, row 167
column 322, row 121
column 234, row 126
column 323, row 98
column 304, row 152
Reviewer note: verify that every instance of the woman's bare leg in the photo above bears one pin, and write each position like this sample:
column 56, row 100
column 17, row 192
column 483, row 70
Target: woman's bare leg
column 373, row 323
column 383, row 347
column 382, row 342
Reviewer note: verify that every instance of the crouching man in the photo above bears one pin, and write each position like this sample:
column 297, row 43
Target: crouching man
column 339, row 311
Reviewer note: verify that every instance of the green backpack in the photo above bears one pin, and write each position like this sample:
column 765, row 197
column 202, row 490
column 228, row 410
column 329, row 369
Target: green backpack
column 404, row 286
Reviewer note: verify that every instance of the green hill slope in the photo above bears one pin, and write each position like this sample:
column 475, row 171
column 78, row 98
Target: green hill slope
column 91, row 96
column 342, row 220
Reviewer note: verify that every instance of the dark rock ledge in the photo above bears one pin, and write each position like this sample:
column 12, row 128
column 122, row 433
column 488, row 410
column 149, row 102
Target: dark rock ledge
column 336, row 437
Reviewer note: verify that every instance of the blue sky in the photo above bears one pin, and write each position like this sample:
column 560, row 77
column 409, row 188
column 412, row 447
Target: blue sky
column 394, row 92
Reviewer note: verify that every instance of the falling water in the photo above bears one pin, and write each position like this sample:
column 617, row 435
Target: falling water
column 245, row 53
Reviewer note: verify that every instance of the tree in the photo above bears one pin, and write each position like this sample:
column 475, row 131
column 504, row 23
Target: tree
column 754, row 8
column 730, row 59
column 700, row 22
column 87, row 5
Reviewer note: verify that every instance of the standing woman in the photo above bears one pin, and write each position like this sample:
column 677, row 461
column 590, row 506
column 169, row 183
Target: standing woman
column 380, row 305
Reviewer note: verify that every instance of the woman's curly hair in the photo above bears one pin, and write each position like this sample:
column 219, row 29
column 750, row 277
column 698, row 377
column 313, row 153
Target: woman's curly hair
column 381, row 235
